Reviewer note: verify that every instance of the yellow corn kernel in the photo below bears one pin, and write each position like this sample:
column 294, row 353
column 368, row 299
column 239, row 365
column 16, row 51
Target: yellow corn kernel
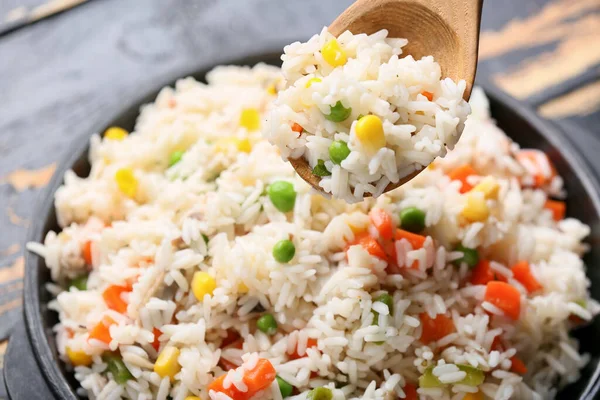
column 475, row 210
column 242, row 288
column 192, row 398
column 471, row 396
column 78, row 357
column 489, row 187
column 369, row 131
column 166, row 364
column 333, row 53
column 311, row 81
column 126, row 182
column 115, row 133
column 271, row 89
column 202, row 284
column 242, row 145
column 250, row 119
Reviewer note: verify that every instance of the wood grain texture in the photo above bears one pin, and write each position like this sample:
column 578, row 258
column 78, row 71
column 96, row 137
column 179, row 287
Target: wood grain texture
column 581, row 102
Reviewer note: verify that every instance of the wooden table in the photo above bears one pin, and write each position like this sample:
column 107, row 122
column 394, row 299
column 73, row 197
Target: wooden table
column 60, row 75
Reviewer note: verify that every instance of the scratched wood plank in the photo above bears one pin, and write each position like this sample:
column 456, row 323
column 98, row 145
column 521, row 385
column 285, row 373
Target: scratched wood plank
column 66, row 73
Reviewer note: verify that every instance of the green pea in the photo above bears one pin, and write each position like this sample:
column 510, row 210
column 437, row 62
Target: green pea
column 388, row 300
column 285, row 388
column 338, row 112
column 175, row 157
column 80, row 282
column 320, row 169
column 267, row 324
column 338, row 151
column 284, row 251
column 412, row 219
column 282, row 195
column 320, row 393
column 470, row 256
column 117, row 368
column 429, row 380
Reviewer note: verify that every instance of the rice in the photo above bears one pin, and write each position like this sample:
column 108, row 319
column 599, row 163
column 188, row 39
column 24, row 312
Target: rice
column 411, row 114
column 210, row 215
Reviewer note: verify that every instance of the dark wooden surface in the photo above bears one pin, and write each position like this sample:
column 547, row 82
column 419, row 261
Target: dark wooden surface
column 60, row 76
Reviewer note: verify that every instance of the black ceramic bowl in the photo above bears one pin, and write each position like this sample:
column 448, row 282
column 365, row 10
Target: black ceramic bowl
column 519, row 122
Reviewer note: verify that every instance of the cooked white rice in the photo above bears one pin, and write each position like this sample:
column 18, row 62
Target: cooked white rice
column 325, row 294
column 420, row 113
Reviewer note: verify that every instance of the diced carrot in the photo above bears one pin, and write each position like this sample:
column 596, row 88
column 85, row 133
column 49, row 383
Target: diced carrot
column 522, row 273
column 382, row 221
column 435, row 328
column 101, row 331
column 86, row 252
column 310, row 342
column 113, row 300
column 416, row 241
column 461, row 174
column 538, row 165
column 156, row 342
column 256, row 379
column 297, row 128
column 482, row 273
column 410, row 390
column 427, row 94
column 369, row 244
column 518, row 366
column 558, row 209
column 505, row 297
column 497, row 343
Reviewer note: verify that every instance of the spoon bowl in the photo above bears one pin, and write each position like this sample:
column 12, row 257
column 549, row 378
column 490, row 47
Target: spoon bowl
column 448, row 30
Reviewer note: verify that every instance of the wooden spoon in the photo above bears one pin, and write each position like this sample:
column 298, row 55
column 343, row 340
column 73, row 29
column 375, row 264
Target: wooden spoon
column 448, row 30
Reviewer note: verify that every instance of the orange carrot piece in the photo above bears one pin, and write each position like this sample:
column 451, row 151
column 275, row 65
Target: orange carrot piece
column 435, row 328
column 369, row 244
column 86, row 252
column 522, row 273
column 410, row 390
column 113, row 300
column 461, row 174
column 518, row 366
column 297, row 128
column 256, row 380
column 482, row 273
column 310, row 342
column 156, row 342
column 416, row 241
column 231, row 338
column 558, row 209
column 382, row 221
column 226, row 365
column 505, row 297
column 101, row 331
column 427, row 94
column 538, row 165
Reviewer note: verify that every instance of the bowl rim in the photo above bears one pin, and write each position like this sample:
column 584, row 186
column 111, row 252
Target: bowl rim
column 44, row 205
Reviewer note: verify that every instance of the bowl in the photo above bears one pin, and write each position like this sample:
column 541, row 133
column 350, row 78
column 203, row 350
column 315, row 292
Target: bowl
column 521, row 124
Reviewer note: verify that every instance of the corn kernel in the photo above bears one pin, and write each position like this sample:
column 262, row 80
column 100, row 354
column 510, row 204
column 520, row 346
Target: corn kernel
column 242, row 145
column 475, row 210
column 333, row 54
column 250, row 119
column 166, row 364
column 115, row 133
column 78, row 357
column 369, row 131
column 203, row 284
column 192, row 398
column 471, row 396
column 126, row 182
column 489, row 187
column 311, row 81
column 242, row 288
column 272, row 90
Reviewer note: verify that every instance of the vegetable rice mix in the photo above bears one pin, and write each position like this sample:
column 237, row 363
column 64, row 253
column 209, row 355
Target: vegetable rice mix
column 195, row 264
column 361, row 114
